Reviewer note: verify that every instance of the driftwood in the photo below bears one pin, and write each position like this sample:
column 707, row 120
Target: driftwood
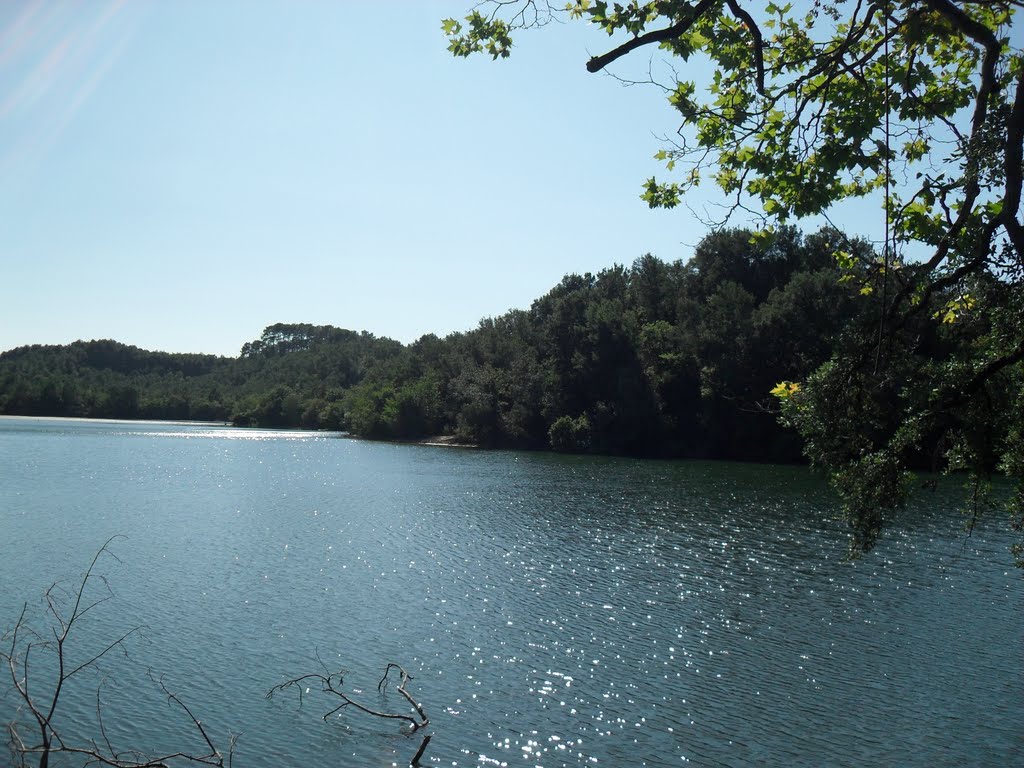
column 34, row 735
column 332, row 682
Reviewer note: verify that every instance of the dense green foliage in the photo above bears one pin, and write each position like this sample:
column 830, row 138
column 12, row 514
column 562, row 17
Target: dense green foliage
column 656, row 359
column 112, row 380
column 919, row 103
column 293, row 375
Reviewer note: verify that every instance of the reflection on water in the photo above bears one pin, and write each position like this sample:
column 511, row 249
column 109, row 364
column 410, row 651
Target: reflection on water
column 40, row 425
column 554, row 611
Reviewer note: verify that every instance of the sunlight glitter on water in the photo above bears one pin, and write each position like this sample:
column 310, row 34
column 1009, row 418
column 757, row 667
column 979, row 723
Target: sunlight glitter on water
column 553, row 611
column 240, row 433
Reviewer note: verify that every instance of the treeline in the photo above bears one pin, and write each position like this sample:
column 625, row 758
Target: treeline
column 292, row 376
column 655, row 359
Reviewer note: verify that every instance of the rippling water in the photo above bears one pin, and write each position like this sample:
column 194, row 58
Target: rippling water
column 553, row 611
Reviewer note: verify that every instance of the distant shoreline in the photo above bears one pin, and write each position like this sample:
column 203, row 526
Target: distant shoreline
column 435, row 441
column 172, row 422
column 445, row 441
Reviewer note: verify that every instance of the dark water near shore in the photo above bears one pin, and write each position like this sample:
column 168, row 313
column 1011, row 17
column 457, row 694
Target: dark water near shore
column 554, row 611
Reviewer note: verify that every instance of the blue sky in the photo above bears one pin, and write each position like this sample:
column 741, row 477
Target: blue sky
column 179, row 175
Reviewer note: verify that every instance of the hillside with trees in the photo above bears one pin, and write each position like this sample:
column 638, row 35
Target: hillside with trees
column 289, row 377
column 654, row 359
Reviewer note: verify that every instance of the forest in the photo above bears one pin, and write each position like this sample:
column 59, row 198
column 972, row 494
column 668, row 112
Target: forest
column 655, row 359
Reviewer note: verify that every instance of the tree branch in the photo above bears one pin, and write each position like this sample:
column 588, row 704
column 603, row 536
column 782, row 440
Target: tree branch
column 1013, row 170
column 597, row 63
column 986, row 372
column 328, row 685
column 755, row 32
column 17, row 654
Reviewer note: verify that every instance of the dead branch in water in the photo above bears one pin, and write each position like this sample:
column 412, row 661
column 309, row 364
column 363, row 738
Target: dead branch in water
column 332, row 682
column 65, row 609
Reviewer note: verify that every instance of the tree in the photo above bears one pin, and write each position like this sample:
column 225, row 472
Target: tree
column 919, row 103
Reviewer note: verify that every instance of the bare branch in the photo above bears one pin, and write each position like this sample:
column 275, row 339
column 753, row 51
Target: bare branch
column 405, row 677
column 117, row 643
column 331, row 684
column 17, row 653
column 419, row 752
column 755, row 32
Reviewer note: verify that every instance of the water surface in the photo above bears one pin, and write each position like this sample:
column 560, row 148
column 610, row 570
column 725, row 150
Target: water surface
column 554, row 611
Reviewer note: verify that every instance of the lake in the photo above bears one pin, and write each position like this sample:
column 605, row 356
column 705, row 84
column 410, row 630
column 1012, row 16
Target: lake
column 552, row 610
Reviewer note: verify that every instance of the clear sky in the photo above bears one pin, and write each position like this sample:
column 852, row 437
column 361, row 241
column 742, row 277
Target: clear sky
column 179, row 174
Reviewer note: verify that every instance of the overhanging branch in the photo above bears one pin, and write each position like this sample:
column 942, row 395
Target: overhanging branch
column 755, row 32
column 597, row 63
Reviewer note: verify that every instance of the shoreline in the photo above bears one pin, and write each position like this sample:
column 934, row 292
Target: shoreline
column 443, row 441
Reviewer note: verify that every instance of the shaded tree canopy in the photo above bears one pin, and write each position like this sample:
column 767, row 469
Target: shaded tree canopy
column 918, row 103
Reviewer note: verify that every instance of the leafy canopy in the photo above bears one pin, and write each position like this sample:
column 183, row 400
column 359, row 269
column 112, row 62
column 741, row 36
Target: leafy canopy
column 919, row 103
